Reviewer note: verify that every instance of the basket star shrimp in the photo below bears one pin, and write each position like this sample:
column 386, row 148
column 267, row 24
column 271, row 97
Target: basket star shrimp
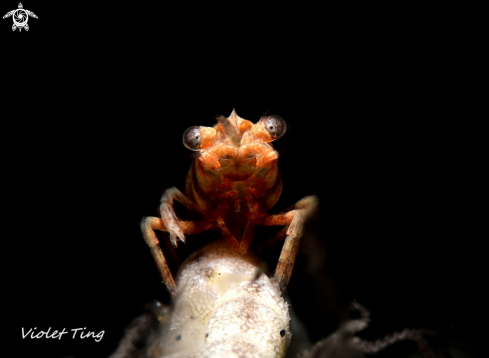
column 233, row 182
column 224, row 305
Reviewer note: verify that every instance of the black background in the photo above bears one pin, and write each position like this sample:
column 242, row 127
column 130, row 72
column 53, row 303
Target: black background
column 97, row 97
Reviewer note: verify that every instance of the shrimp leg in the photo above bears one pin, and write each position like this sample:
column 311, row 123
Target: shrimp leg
column 176, row 228
column 294, row 221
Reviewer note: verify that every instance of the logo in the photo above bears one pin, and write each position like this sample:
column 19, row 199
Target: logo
column 20, row 17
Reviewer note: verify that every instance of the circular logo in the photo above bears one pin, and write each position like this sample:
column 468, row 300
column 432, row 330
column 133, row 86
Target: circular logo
column 20, row 17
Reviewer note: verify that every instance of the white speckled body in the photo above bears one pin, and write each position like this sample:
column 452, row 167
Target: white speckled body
column 225, row 307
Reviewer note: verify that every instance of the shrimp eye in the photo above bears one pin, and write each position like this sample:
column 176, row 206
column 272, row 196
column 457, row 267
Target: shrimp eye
column 196, row 138
column 275, row 126
column 192, row 138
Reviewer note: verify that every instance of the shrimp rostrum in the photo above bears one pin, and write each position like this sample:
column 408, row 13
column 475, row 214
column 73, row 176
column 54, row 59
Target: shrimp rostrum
column 233, row 182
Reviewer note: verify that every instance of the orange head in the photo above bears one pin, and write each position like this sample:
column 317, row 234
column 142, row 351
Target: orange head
column 235, row 148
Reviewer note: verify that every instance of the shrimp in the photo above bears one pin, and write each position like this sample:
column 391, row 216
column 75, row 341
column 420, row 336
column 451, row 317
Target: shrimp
column 233, row 182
